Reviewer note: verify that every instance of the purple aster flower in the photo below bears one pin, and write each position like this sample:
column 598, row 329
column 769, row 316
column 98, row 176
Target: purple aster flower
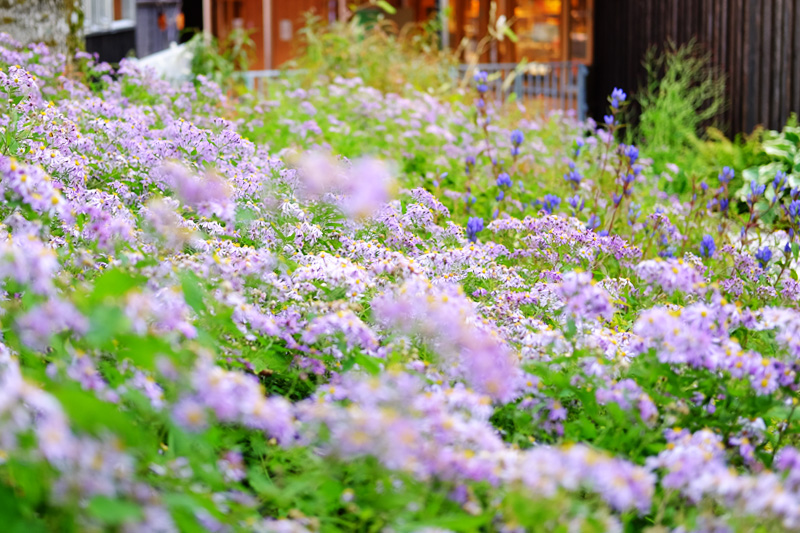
column 190, row 415
column 583, row 300
column 232, row 467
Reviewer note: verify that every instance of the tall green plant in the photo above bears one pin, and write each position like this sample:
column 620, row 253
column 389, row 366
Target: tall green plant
column 684, row 94
column 222, row 61
column 383, row 55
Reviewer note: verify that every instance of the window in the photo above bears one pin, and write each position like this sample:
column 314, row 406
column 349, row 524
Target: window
column 108, row 15
column 580, row 25
column 472, row 28
column 554, row 30
column 539, row 27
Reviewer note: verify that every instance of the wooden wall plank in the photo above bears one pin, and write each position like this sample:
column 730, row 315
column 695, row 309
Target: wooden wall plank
column 795, row 74
column 748, row 95
column 755, row 43
column 784, row 79
column 736, row 83
column 774, row 44
column 764, row 57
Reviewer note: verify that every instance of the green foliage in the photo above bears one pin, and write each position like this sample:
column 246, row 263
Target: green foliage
column 512, row 275
column 222, row 62
column 776, row 151
column 378, row 52
column 683, row 95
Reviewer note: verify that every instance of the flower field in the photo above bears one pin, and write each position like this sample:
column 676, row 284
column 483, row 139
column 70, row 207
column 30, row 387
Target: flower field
column 329, row 308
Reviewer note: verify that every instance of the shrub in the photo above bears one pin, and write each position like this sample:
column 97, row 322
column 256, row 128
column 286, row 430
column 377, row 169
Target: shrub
column 683, row 95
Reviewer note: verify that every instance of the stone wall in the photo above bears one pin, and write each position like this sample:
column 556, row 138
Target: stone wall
column 32, row 21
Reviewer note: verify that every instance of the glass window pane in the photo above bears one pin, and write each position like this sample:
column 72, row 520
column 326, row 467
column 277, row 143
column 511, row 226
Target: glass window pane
column 580, row 20
column 472, row 22
column 539, row 29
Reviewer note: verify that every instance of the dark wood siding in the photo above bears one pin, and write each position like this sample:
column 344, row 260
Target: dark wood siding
column 112, row 46
column 755, row 43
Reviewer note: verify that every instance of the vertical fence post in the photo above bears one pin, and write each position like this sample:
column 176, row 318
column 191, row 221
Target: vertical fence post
column 582, row 72
column 444, row 40
column 555, row 84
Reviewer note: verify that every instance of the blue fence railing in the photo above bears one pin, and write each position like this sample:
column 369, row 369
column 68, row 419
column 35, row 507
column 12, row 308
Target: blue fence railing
column 256, row 78
column 559, row 85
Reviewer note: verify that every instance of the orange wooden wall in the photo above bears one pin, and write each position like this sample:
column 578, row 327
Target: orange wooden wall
column 249, row 12
column 289, row 14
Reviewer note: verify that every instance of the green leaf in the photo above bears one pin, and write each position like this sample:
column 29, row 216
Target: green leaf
column 571, row 330
column 508, row 32
column 386, row 6
column 781, row 149
column 142, row 350
column 114, row 512
column 105, row 323
column 367, row 363
column 12, row 513
column 193, row 291
column 114, row 283
column 459, row 522
column 244, row 214
column 95, row 416
column 262, row 485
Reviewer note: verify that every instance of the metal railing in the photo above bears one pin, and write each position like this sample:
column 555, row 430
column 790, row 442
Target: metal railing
column 559, row 85
column 255, row 79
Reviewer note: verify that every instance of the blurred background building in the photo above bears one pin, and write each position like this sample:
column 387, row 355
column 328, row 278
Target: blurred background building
column 754, row 43
column 31, row 21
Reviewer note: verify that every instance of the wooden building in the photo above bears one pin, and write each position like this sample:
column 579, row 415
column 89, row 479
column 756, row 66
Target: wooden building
column 755, row 43
column 273, row 24
column 547, row 30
